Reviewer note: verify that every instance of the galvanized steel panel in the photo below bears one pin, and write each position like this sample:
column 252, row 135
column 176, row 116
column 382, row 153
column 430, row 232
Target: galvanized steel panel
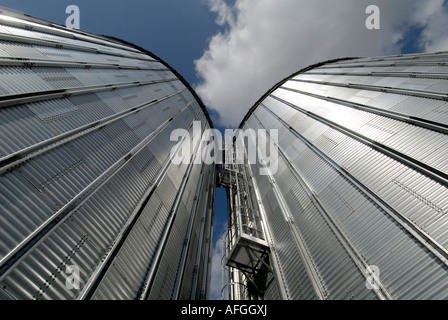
column 375, row 199
column 33, row 190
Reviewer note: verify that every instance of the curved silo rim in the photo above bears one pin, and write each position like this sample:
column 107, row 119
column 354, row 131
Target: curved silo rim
column 27, row 17
column 177, row 74
column 280, row 83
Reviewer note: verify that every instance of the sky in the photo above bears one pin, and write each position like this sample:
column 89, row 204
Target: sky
column 233, row 51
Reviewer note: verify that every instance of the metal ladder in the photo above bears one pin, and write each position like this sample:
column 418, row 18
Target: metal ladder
column 246, row 253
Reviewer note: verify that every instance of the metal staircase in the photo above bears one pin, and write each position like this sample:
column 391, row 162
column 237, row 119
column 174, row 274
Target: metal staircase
column 246, row 252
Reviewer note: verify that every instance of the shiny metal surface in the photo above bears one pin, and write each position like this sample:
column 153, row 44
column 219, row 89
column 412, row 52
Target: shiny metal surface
column 361, row 180
column 86, row 177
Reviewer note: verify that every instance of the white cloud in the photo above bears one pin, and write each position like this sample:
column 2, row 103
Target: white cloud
column 216, row 274
column 266, row 41
column 225, row 12
column 434, row 36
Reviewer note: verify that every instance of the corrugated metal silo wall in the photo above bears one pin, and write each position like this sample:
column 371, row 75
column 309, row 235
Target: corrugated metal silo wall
column 361, row 180
column 86, row 178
